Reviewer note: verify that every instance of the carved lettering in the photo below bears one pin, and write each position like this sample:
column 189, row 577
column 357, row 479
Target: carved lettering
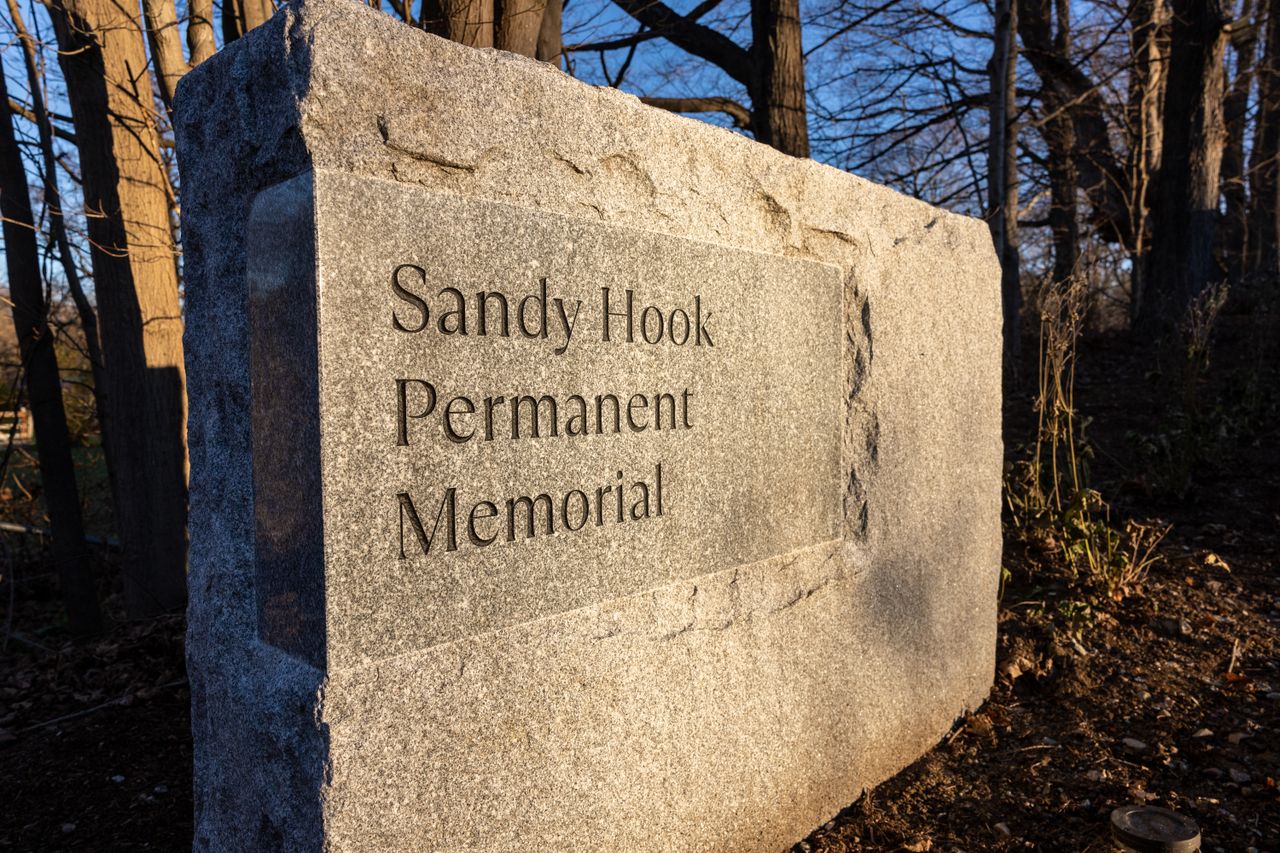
column 540, row 416
column 448, row 508
column 408, row 296
column 529, row 516
column 402, row 407
column 624, row 314
column 535, row 313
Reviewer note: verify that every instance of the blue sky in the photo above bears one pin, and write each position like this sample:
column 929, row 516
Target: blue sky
column 863, row 94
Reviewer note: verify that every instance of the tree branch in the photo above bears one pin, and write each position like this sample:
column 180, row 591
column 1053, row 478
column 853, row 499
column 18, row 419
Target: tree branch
column 613, row 44
column 741, row 115
column 688, row 35
column 19, row 110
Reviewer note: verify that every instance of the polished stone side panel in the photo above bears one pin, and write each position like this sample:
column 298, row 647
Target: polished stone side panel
column 284, row 363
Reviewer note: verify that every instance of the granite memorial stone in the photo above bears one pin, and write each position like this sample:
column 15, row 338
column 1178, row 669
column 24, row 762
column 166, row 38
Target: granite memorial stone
column 564, row 474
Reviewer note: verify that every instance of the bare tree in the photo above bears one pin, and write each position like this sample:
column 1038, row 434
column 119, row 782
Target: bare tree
column 468, row 22
column 517, row 25
column 240, row 16
column 527, row 27
column 127, row 197
column 1144, row 128
column 1181, row 260
column 44, row 387
column 1264, row 164
column 1075, row 115
column 1002, row 172
column 166, row 46
column 550, row 34
column 771, row 70
column 1233, row 236
column 88, row 315
column 779, row 118
column 200, row 41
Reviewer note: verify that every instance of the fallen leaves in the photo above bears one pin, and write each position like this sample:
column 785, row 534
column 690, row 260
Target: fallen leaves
column 1213, row 561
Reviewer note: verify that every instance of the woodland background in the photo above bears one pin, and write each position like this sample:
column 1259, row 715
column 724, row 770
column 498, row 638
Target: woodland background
column 1125, row 155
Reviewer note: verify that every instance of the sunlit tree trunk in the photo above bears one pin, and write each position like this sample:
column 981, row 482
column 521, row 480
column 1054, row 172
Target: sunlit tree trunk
column 550, row 36
column 126, row 194
column 200, row 43
column 468, row 22
column 166, row 46
column 518, row 24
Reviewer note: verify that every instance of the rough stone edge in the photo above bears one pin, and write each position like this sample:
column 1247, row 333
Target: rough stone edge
column 248, row 700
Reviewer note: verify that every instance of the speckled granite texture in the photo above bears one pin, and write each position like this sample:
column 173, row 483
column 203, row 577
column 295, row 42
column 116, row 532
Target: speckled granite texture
column 717, row 698
column 711, row 444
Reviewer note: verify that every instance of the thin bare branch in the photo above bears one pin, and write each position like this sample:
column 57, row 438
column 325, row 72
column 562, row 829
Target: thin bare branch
column 741, row 115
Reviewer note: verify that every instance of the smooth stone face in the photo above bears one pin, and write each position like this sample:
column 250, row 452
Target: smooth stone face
column 520, row 413
column 812, row 610
column 288, row 488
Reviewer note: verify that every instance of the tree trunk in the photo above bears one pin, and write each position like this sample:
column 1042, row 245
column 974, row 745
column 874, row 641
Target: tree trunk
column 57, row 220
column 256, row 12
column 44, row 388
column 125, row 185
column 1064, row 214
column 526, row 27
column 1002, row 171
column 1145, row 130
column 1100, row 174
column 240, row 16
column 166, row 46
column 1264, row 165
column 232, row 21
column 1233, row 239
column 772, row 70
column 550, row 36
column 468, row 22
column 518, row 24
column 1181, row 263
column 200, row 43
column 1048, row 40
column 779, row 114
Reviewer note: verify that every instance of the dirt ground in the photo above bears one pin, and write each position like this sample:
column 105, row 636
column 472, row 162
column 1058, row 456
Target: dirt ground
column 1170, row 696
